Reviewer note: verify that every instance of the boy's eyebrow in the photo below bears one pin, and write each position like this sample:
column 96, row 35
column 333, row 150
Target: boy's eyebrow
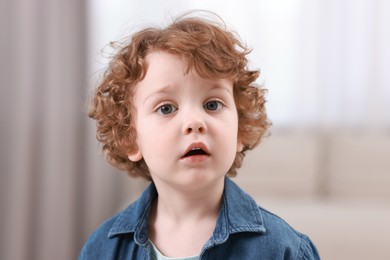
column 169, row 89
column 221, row 86
column 163, row 90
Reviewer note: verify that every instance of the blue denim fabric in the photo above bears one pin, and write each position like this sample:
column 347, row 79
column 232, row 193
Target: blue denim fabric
column 243, row 231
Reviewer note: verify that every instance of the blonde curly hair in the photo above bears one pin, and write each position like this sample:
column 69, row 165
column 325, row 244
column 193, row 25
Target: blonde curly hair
column 208, row 48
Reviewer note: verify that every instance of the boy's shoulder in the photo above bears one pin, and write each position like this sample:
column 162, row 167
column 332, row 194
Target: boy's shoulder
column 243, row 209
column 276, row 223
column 277, row 229
column 280, row 236
column 274, row 234
column 99, row 243
column 103, row 242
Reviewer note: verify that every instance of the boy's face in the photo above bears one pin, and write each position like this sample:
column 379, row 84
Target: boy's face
column 186, row 125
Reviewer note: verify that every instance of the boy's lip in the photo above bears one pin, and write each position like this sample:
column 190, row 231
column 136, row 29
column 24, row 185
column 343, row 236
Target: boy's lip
column 197, row 145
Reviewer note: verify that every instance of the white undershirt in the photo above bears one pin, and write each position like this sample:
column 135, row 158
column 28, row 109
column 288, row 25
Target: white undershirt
column 155, row 254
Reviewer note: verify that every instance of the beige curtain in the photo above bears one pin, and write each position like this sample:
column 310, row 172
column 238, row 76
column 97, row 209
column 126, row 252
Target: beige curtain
column 55, row 187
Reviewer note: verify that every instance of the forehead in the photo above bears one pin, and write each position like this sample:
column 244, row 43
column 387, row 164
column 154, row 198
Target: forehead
column 164, row 70
column 163, row 65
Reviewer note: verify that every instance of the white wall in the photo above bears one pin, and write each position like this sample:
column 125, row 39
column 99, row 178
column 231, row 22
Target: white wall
column 324, row 62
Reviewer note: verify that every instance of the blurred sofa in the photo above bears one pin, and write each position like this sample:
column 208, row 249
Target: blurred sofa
column 333, row 186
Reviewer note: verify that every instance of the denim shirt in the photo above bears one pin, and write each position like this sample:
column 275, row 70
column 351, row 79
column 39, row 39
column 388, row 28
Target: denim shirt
column 243, row 231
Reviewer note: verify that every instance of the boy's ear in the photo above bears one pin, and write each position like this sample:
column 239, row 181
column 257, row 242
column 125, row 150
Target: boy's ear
column 135, row 155
column 240, row 146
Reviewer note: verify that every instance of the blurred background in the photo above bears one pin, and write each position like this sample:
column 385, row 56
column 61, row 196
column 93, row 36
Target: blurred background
column 325, row 168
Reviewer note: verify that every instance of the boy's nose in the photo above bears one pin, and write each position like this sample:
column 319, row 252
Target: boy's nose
column 195, row 126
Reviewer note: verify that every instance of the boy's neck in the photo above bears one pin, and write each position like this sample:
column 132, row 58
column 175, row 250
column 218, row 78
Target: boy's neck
column 181, row 221
column 188, row 205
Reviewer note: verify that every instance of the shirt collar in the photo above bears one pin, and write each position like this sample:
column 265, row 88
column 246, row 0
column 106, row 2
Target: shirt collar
column 238, row 213
column 134, row 219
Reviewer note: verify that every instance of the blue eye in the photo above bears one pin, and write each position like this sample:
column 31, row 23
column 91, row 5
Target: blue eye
column 166, row 109
column 213, row 105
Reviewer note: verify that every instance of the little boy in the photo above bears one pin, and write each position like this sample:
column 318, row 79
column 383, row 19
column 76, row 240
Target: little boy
column 179, row 107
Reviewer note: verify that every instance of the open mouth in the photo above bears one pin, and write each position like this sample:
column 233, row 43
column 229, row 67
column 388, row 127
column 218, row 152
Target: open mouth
column 194, row 152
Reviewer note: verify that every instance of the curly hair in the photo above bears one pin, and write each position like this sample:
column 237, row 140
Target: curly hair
column 208, row 48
